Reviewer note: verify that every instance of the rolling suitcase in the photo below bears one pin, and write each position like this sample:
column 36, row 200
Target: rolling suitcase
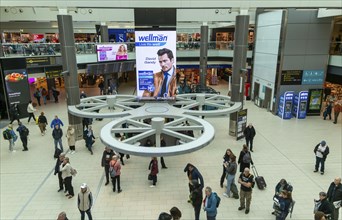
column 260, row 181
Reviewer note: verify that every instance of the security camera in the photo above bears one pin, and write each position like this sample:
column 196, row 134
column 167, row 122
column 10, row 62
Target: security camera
column 90, row 11
column 230, row 11
column 6, row 10
column 217, row 11
column 76, row 11
column 21, row 10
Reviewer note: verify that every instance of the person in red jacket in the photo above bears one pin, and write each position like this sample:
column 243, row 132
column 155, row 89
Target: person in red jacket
column 154, row 170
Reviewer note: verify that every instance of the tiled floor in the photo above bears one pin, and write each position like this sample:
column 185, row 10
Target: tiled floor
column 283, row 149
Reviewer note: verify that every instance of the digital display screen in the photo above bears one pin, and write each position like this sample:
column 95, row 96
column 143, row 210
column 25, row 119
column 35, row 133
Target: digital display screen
column 111, row 52
column 315, row 99
column 17, row 86
column 156, row 63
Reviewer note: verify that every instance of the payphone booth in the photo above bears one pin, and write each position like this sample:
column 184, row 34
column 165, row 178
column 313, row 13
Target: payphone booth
column 285, row 105
column 300, row 102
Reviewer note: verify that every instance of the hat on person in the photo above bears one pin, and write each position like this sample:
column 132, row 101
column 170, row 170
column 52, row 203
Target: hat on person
column 323, row 143
column 83, row 186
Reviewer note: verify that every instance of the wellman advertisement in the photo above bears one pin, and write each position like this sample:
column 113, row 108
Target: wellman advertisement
column 156, row 63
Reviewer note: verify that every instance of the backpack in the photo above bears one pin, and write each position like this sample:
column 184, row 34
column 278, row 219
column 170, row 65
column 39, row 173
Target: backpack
column 25, row 131
column 247, row 158
column 7, row 134
column 112, row 171
column 73, row 171
column 218, row 199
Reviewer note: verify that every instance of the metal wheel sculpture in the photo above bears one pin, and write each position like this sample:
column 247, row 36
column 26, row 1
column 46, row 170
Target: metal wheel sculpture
column 209, row 105
column 105, row 106
column 137, row 129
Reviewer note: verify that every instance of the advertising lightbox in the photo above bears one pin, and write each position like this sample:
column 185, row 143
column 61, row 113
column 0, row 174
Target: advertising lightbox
column 111, row 52
column 17, row 86
column 156, row 64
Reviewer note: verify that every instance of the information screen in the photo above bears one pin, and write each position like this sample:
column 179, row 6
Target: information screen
column 156, row 63
column 111, row 52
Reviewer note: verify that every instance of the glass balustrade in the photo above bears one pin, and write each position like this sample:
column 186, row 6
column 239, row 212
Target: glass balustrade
column 54, row 49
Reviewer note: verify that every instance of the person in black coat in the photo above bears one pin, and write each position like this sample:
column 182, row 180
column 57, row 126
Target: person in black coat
column 226, row 158
column 106, row 157
column 14, row 113
column 249, row 134
column 193, row 174
column 245, row 158
column 162, row 144
column 335, row 194
column 196, row 198
column 59, row 161
column 325, row 205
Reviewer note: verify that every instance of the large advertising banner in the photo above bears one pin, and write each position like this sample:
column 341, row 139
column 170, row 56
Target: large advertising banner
column 111, row 52
column 156, row 63
column 17, row 86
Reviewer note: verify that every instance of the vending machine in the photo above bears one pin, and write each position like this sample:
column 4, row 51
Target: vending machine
column 285, row 105
column 300, row 102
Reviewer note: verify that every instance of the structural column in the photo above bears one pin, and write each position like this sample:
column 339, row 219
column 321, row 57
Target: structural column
column 203, row 55
column 104, row 33
column 66, row 38
column 239, row 66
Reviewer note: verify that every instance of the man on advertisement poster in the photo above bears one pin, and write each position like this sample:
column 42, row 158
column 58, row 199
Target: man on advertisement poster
column 165, row 82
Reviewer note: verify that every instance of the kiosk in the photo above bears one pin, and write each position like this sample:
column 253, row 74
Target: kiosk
column 299, row 104
column 285, row 105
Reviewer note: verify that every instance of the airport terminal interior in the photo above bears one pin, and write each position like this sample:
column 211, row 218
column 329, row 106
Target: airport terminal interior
column 289, row 72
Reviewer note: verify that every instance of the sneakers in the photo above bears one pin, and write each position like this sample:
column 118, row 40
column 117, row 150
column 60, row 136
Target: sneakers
column 70, row 196
column 60, row 190
column 247, row 211
column 13, row 151
column 152, row 186
column 226, row 195
column 72, row 152
column 240, row 208
column 315, row 171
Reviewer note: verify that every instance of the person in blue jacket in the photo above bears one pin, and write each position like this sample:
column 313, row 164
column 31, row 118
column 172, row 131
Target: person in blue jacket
column 193, row 174
column 282, row 204
column 56, row 121
column 209, row 204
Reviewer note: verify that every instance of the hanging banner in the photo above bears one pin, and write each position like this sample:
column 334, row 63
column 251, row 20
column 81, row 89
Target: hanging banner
column 156, row 63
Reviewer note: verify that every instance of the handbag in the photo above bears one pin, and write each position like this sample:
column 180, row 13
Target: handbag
column 149, row 177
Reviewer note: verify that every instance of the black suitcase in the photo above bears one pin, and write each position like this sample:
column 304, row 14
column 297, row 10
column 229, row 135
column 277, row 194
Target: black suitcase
column 260, row 181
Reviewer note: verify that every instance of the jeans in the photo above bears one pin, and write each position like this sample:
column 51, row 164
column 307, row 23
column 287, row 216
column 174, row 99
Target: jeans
column 245, row 195
column 38, row 100
column 249, row 143
column 211, row 217
column 116, row 180
column 230, row 180
column 88, row 214
column 319, row 161
column 68, row 185
column 11, row 144
column 24, row 141
column 197, row 211
column 58, row 141
column 44, row 98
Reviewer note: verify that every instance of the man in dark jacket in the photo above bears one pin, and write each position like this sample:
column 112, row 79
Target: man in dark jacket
column 14, row 113
column 57, row 135
column 321, row 151
column 334, row 195
column 325, row 205
column 23, row 133
column 249, row 134
column 196, row 198
column 193, row 174
column 59, row 161
column 106, row 157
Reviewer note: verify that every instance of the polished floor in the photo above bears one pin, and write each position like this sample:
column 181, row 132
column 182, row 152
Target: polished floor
column 283, row 149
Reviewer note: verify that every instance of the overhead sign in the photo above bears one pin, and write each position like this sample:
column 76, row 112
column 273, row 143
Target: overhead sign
column 111, row 52
column 291, row 77
column 313, row 77
column 37, row 61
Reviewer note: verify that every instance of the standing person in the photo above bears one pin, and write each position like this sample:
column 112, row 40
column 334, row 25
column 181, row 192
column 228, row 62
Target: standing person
column 153, row 166
column 116, row 167
column 323, row 204
column 107, row 155
column 193, row 174
column 89, row 139
column 42, row 123
column 56, row 121
column 30, row 110
column 101, row 86
column 209, row 204
column 246, row 180
column 162, row 144
column 321, row 151
column 327, row 111
column 37, row 95
column 337, row 110
column 249, row 133
column 225, row 160
column 59, row 161
column 196, row 198
column 55, row 94
column 245, row 158
column 23, row 133
column 85, row 201
column 65, row 168
column 231, row 168
column 71, row 139
column 57, row 135
column 282, row 204
column 10, row 135
column 45, row 95
column 14, row 113
column 334, row 195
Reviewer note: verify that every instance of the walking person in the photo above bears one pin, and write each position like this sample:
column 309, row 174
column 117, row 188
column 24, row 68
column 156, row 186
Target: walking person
column 59, row 161
column 337, row 109
column 327, row 111
column 55, row 94
column 71, row 139
column 246, row 180
column 30, row 111
column 245, row 158
column 196, row 198
column 226, row 157
column 56, row 121
column 115, row 172
column 23, row 133
column 45, row 95
column 209, row 204
column 89, row 139
column 107, row 155
column 14, row 113
column 334, row 196
column 37, row 94
column 249, row 134
column 85, row 201
column 57, row 135
column 65, row 168
column 153, row 166
column 321, row 151
column 231, row 168
column 42, row 123
column 10, row 135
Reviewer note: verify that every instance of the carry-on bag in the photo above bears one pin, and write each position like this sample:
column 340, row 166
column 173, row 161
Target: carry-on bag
column 260, row 181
